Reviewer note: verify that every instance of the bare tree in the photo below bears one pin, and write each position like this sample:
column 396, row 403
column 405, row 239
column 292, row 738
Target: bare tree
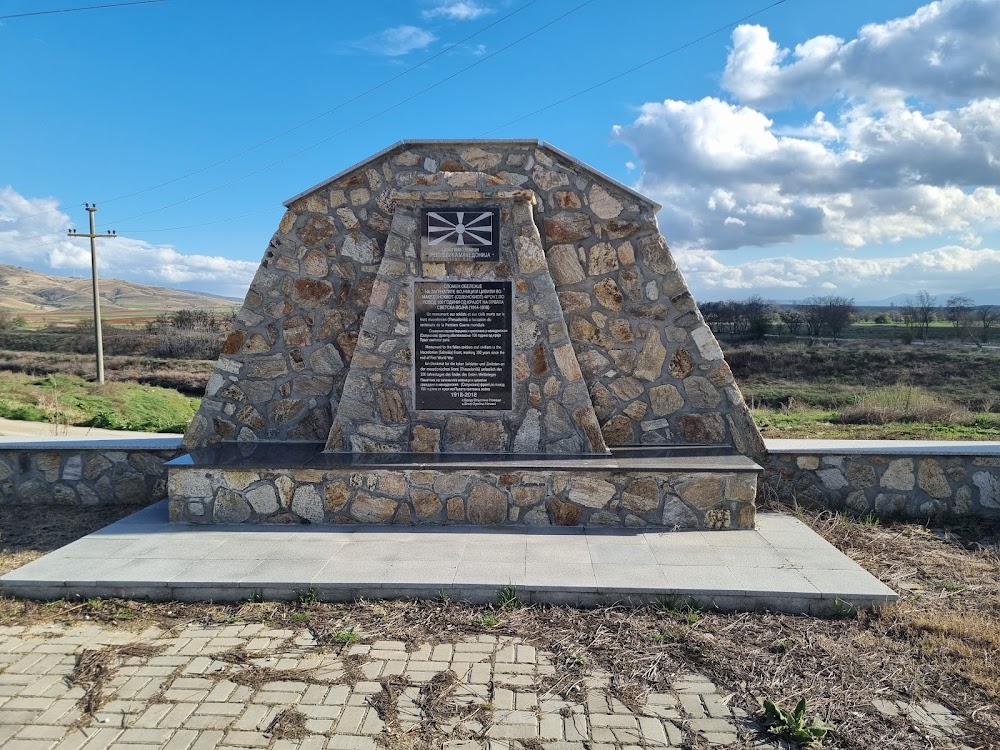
column 837, row 314
column 988, row 317
column 812, row 315
column 922, row 307
column 830, row 315
column 959, row 310
column 793, row 320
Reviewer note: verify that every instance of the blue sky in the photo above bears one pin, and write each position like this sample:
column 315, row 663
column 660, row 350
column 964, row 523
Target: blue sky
column 849, row 148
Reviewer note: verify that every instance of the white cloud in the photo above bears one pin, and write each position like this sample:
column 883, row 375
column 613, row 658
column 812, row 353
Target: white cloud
column 397, row 41
column 879, row 170
column 942, row 270
column 944, row 51
column 900, row 141
column 33, row 235
column 462, row 10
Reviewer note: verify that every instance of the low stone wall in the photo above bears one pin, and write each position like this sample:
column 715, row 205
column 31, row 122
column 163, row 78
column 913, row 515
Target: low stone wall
column 909, row 479
column 541, row 497
column 892, row 479
column 85, row 472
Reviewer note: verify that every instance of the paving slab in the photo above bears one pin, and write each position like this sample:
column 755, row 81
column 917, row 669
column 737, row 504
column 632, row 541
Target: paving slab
column 781, row 565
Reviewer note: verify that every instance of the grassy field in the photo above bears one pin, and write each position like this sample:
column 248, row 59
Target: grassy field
column 70, row 400
column 846, row 390
column 826, row 390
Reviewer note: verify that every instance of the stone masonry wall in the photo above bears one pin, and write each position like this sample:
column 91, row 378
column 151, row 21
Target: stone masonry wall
column 551, row 407
column 891, row 485
column 608, row 498
column 83, row 476
column 654, row 370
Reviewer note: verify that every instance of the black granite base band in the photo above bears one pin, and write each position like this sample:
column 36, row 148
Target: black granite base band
column 311, row 456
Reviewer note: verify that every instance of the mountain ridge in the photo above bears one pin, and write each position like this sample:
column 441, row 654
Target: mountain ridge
column 24, row 291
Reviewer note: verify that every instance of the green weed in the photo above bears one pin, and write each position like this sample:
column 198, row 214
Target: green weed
column 507, row 597
column 346, row 636
column 685, row 606
column 794, row 725
column 309, row 596
column 487, row 621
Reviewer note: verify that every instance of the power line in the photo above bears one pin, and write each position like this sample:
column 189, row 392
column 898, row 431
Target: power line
column 511, row 122
column 203, row 224
column 292, row 129
column 74, row 10
column 343, row 104
column 624, row 73
column 366, row 120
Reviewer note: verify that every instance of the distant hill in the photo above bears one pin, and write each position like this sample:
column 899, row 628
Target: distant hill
column 31, row 293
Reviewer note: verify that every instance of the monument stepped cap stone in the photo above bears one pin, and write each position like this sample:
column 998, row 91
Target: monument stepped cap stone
column 384, row 316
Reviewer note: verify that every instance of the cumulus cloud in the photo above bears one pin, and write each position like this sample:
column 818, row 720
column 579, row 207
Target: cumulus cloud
column 462, row 10
column 942, row 52
column 33, row 235
column 397, row 41
column 943, row 270
column 881, row 168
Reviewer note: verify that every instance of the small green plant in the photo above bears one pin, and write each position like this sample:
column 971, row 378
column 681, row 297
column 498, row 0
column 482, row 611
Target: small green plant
column 781, row 646
column 507, row 597
column 309, row 596
column 487, row 621
column 300, row 616
column 682, row 605
column 871, row 520
column 843, row 609
column 346, row 636
column 255, row 597
column 794, row 725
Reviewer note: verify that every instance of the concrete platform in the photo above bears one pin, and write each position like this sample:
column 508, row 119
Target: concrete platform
column 781, row 566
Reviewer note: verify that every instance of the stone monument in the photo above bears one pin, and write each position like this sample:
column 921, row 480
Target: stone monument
column 466, row 332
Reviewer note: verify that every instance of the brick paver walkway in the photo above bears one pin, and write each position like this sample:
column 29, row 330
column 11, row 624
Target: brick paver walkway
column 201, row 687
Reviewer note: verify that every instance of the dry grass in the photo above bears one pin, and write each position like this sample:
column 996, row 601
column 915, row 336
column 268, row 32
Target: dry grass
column 289, row 724
column 904, row 403
column 94, row 668
column 188, row 376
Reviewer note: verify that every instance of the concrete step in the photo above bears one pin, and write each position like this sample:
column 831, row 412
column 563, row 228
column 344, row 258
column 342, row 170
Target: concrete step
column 781, row 565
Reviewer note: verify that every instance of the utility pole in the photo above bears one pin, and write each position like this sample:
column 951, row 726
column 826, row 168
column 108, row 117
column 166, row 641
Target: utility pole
column 92, row 209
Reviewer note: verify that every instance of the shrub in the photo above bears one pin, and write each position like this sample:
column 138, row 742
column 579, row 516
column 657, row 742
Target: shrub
column 903, row 403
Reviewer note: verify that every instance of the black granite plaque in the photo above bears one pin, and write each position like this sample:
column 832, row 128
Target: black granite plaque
column 461, row 234
column 463, row 351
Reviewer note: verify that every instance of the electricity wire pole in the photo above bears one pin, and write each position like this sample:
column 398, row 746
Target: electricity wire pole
column 92, row 209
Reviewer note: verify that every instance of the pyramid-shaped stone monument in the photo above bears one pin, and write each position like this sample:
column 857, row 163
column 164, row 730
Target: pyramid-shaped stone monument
column 470, row 332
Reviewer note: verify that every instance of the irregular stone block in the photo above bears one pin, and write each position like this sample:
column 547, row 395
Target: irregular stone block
column 590, row 492
column 899, row 475
column 370, row 509
column 231, row 507
column 701, row 492
column 702, row 428
column 988, row 485
column 931, row 479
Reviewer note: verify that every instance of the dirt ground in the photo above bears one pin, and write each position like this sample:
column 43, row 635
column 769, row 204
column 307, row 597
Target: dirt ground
column 940, row 645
